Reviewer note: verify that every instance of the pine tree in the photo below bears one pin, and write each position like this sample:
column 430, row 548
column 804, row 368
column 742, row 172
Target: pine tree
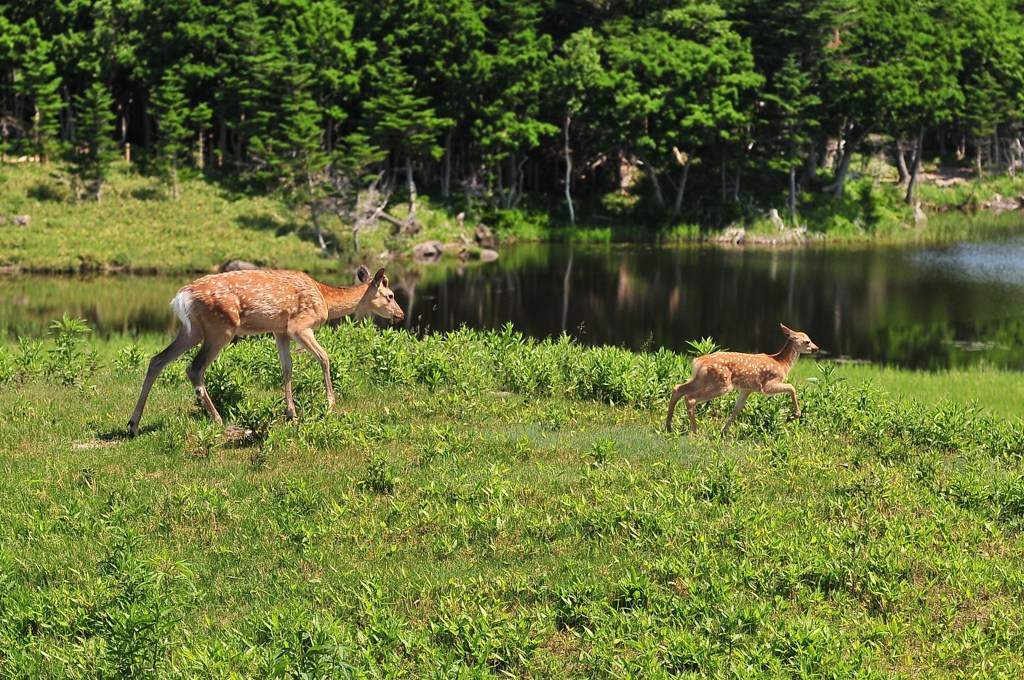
column 94, row 149
column 41, row 85
column 171, row 109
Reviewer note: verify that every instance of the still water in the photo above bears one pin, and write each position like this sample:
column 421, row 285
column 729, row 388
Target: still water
column 926, row 307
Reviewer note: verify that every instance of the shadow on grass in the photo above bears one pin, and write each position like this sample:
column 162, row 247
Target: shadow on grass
column 279, row 227
column 148, row 194
column 49, row 193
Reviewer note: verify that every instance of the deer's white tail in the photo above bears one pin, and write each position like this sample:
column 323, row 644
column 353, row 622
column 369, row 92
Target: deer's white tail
column 182, row 305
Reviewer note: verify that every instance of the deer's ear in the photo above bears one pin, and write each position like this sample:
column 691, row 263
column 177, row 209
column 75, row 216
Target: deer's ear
column 380, row 278
column 362, row 273
column 785, row 330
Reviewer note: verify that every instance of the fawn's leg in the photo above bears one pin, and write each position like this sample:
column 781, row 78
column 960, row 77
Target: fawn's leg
column 778, row 387
column 308, row 341
column 736, row 411
column 706, row 392
column 182, row 343
column 284, row 352
column 678, row 393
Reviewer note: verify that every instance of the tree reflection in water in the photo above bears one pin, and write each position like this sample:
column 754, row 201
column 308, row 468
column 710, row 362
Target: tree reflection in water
column 930, row 307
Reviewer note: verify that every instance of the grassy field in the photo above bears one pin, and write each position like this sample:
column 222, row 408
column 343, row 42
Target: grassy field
column 139, row 228
column 482, row 505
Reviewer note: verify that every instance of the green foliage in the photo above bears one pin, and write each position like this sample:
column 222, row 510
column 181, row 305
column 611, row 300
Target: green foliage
column 380, row 477
column 699, row 348
column 667, row 113
column 68, row 362
column 41, row 85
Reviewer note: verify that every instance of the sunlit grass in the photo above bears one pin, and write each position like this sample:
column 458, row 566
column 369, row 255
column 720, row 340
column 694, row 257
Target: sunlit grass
column 480, row 504
column 138, row 227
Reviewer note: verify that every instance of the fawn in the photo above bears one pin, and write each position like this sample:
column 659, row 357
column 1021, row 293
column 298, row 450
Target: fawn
column 289, row 304
column 720, row 373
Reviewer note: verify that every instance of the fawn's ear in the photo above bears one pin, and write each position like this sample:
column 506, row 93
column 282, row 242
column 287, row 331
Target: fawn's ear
column 362, row 273
column 786, row 330
column 380, row 278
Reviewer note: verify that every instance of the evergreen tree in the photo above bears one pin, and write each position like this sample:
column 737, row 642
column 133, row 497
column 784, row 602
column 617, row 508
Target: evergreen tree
column 789, row 103
column 302, row 160
column 581, row 82
column 94, row 149
column 41, row 85
column 171, row 109
column 404, row 121
column 514, row 94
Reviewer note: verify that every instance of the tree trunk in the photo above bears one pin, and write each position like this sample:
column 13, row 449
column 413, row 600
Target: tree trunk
column 677, row 206
column 723, row 177
column 446, row 172
column 916, row 169
column 849, row 147
column 175, row 193
column 201, row 152
column 996, row 158
column 313, row 212
column 809, row 172
column 222, row 139
column 568, row 171
column 411, row 184
column 792, row 195
column 519, row 187
column 901, row 161
column 659, row 197
column 496, row 201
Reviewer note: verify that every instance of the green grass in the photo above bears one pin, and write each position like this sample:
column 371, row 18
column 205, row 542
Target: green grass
column 997, row 392
column 479, row 504
column 138, row 227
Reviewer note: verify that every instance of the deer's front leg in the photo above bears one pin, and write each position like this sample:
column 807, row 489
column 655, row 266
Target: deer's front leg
column 740, row 401
column 776, row 388
column 306, row 338
column 284, row 352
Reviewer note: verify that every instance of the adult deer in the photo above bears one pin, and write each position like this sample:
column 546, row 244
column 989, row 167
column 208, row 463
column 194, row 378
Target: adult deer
column 721, row 372
column 289, row 304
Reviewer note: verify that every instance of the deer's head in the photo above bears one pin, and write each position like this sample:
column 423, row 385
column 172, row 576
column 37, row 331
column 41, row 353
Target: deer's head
column 803, row 343
column 378, row 298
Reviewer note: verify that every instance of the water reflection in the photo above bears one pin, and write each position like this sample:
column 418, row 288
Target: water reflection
column 917, row 307
column 909, row 307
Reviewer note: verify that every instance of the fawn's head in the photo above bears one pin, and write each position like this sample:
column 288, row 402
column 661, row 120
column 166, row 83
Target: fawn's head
column 804, row 345
column 378, row 298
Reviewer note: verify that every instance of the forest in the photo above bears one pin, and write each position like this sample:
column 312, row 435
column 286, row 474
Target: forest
column 659, row 111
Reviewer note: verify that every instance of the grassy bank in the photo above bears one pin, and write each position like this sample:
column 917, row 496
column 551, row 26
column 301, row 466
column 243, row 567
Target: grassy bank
column 138, row 227
column 483, row 505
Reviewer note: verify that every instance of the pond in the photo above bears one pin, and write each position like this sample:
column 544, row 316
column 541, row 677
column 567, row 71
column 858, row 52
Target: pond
column 926, row 307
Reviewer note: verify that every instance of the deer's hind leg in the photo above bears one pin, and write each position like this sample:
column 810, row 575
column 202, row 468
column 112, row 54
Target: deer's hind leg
column 184, row 341
column 703, row 386
column 678, row 393
column 196, row 371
